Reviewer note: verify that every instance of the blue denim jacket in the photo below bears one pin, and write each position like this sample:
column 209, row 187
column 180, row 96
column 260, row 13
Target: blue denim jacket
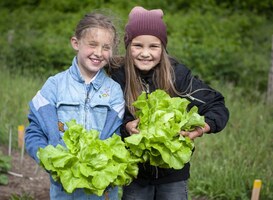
column 65, row 96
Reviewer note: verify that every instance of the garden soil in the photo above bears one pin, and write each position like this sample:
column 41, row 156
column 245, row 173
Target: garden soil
column 29, row 181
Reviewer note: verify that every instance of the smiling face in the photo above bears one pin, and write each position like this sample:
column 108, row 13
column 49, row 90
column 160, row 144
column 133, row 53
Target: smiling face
column 94, row 50
column 146, row 51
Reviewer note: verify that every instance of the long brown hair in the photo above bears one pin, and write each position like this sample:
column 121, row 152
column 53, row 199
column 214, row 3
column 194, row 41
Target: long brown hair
column 163, row 78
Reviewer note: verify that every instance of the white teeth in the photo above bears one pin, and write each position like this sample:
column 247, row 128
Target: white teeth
column 95, row 60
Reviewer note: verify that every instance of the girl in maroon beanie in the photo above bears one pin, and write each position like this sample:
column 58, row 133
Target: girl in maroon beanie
column 148, row 67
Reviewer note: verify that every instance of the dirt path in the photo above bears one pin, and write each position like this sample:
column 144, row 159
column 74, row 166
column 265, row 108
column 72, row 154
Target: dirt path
column 35, row 181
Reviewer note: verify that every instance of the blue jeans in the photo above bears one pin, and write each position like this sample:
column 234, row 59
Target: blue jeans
column 57, row 193
column 169, row 191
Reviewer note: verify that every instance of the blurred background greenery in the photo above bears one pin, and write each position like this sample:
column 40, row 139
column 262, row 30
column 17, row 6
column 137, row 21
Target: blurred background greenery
column 227, row 40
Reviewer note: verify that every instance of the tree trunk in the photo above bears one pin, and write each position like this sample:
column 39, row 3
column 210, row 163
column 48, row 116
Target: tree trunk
column 270, row 80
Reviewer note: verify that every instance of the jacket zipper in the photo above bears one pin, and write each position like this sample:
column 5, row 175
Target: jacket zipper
column 85, row 106
column 146, row 87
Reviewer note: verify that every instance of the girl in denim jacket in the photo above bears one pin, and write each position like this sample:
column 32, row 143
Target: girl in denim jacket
column 83, row 92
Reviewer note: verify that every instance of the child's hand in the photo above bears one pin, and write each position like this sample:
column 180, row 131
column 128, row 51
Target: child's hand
column 197, row 132
column 131, row 127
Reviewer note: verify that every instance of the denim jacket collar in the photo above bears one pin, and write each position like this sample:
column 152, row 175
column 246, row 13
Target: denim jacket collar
column 76, row 74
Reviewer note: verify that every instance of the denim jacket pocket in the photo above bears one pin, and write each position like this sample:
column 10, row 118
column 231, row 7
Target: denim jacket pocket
column 67, row 111
column 98, row 116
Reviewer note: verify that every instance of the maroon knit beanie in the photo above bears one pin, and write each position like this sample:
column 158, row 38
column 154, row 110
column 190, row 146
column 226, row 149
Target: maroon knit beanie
column 145, row 22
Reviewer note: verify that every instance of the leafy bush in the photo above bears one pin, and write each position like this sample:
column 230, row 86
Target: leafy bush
column 38, row 40
column 32, row 46
column 217, row 45
column 5, row 165
column 214, row 39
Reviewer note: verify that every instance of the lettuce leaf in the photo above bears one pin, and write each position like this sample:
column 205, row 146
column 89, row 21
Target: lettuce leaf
column 161, row 120
column 88, row 162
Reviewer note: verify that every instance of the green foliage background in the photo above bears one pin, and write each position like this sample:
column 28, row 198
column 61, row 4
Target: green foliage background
column 227, row 40
column 227, row 43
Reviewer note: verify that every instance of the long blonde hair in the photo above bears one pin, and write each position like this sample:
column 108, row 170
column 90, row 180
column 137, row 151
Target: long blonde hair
column 163, row 78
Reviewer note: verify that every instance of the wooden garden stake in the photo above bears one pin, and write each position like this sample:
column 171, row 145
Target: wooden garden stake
column 21, row 134
column 21, row 141
column 10, row 141
column 256, row 189
column 22, row 152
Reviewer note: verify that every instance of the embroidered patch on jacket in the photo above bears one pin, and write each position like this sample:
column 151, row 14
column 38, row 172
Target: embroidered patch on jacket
column 105, row 93
column 61, row 126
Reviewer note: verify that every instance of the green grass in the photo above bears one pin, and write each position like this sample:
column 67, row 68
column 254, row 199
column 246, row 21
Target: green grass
column 224, row 165
column 16, row 91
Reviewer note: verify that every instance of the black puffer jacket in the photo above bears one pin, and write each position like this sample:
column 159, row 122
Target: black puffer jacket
column 210, row 104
